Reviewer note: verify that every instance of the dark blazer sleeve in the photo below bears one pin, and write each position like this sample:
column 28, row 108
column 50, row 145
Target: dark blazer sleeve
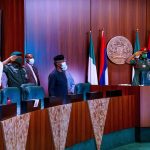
column 51, row 84
column 37, row 74
column 27, row 71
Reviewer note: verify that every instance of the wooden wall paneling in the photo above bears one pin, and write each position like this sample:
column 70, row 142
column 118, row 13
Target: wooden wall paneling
column 80, row 127
column 63, row 28
column 147, row 18
column 131, row 114
column 123, row 20
column 121, row 114
column 2, row 144
column 115, row 114
column 39, row 134
column 32, row 142
column 125, row 113
column 12, row 26
column 120, row 118
column 67, row 32
column 46, row 132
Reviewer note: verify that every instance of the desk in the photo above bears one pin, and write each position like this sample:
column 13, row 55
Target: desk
column 145, row 106
column 122, row 113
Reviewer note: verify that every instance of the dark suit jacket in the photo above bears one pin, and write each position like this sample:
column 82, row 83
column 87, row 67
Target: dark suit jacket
column 31, row 78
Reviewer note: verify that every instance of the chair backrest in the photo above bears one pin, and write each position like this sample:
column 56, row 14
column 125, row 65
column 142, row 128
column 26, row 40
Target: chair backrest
column 82, row 88
column 113, row 93
column 145, row 77
column 27, row 84
column 14, row 94
column 52, row 101
column 74, row 98
column 23, row 86
column 94, row 95
column 34, row 92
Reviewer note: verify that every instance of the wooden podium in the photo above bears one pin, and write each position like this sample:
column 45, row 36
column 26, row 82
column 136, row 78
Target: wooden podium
column 8, row 111
column 145, row 106
column 123, row 113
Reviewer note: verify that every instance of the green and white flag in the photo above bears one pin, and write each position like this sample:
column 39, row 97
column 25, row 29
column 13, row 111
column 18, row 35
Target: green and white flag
column 92, row 71
column 136, row 48
column 137, row 42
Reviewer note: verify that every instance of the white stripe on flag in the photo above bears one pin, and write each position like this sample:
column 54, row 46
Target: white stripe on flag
column 133, row 72
column 106, row 76
column 92, row 73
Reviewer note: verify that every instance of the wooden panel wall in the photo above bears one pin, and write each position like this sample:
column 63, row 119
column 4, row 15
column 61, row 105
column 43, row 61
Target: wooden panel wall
column 58, row 27
column 119, row 17
column 12, row 26
column 62, row 26
column 148, row 16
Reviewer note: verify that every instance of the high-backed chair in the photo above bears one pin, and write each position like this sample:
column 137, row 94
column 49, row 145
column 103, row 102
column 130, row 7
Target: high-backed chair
column 52, row 101
column 113, row 93
column 82, row 88
column 94, row 95
column 34, row 92
column 23, row 86
column 74, row 98
column 13, row 93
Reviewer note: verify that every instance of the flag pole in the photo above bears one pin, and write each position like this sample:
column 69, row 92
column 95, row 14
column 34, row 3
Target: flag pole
column 90, row 15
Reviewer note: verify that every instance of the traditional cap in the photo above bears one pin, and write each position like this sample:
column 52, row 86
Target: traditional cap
column 144, row 49
column 28, row 55
column 59, row 58
column 16, row 53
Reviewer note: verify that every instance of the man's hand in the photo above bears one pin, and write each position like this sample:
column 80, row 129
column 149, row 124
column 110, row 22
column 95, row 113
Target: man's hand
column 12, row 58
column 138, row 53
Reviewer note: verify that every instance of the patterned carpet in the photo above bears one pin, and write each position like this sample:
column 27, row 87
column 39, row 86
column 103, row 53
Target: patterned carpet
column 134, row 146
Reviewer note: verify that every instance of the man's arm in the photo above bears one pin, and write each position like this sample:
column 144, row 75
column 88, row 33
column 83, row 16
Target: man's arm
column 51, row 85
column 9, row 59
column 132, row 57
column 71, row 83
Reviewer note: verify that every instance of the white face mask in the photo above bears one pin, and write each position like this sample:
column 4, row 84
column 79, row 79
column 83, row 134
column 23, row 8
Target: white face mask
column 31, row 61
column 64, row 66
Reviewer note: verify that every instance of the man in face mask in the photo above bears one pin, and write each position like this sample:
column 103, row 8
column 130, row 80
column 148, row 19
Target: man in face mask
column 31, row 70
column 15, row 73
column 60, row 81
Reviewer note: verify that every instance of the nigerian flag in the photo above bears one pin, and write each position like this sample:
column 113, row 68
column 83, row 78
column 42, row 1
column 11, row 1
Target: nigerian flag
column 92, row 72
column 136, row 48
column 137, row 42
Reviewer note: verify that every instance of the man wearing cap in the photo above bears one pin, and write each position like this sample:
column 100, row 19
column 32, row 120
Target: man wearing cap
column 140, row 62
column 2, row 74
column 15, row 73
column 31, row 70
column 60, row 81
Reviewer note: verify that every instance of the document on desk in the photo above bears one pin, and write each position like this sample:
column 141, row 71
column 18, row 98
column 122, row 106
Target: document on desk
column 36, row 102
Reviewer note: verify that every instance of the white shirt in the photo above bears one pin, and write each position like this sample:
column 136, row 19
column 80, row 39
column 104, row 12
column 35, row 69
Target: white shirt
column 1, row 72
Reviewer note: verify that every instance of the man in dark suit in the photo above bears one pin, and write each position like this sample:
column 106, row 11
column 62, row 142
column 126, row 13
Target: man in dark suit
column 31, row 70
column 60, row 81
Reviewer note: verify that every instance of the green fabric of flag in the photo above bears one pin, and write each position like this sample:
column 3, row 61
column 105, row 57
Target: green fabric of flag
column 137, row 43
column 136, row 48
column 92, row 71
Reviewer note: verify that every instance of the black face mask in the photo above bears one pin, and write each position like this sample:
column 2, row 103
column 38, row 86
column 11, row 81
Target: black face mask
column 18, row 60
